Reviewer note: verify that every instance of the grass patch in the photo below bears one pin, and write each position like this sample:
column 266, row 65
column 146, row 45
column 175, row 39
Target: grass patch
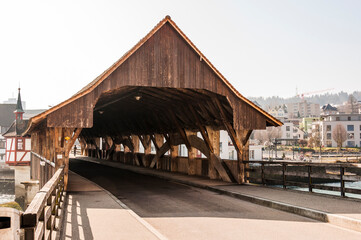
column 12, row 205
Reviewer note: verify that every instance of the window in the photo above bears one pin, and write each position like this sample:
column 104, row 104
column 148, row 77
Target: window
column 328, row 136
column 288, row 135
column 220, row 147
column 20, row 145
column 328, row 128
column 350, row 143
column 287, row 128
column 350, row 128
column 231, row 155
column 337, row 118
column 360, row 127
column 348, row 118
column 350, row 136
column 251, row 154
column 2, row 144
column 329, row 143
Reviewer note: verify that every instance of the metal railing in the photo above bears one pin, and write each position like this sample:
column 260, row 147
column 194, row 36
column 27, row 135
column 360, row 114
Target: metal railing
column 304, row 175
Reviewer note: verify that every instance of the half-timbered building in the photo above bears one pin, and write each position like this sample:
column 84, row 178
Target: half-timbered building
column 18, row 146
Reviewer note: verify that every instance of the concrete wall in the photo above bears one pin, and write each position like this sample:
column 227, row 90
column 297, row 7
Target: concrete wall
column 13, row 231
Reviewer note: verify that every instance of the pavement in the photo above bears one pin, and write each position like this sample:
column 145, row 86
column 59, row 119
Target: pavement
column 91, row 212
column 342, row 212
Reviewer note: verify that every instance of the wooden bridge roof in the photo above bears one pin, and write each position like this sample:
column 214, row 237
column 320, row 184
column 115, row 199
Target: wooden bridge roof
column 163, row 82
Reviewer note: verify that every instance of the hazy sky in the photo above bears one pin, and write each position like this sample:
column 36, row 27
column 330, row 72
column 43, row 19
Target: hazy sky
column 264, row 48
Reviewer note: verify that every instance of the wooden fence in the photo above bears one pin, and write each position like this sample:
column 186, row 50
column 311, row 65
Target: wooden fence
column 304, row 175
column 42, row 215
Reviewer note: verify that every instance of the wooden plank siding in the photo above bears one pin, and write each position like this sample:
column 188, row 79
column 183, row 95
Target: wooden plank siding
column 164, row 60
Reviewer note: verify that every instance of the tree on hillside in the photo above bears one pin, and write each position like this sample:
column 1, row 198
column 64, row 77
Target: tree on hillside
column 339, row 135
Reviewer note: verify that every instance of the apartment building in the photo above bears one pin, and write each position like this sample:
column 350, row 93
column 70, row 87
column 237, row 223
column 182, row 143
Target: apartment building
column 351, row 123
column 303, row 109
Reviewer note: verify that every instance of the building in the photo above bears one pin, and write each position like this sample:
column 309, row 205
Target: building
column 290, row 131
column 255, row 152
column 18, row 147
column 6, row 119
column 352, row 106
column 351, row 123
column 329, row 109
column 306, row 124
column 280, row 112
column 303, row 109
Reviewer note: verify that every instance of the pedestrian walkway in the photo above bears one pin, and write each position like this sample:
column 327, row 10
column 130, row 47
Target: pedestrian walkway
column 93, row 213
column 335, row 210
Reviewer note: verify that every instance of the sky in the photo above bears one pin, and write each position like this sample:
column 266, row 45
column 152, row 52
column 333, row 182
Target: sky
column 264, row 47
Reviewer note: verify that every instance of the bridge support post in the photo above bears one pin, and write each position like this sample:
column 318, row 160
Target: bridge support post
column 135, row 142
column 158, row 141
column 146, row 142
column 174, row 150
column 70, row 138
column 214, row 141
column 240, row 141
column 192, row 152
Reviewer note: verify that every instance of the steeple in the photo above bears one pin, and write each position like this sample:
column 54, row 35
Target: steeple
column 19, row 108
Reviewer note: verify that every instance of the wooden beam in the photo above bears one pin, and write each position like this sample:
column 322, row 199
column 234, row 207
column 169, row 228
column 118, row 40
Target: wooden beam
column 229, row 127
column 152, row 137
column 191, row 155
column 180, row 130
column 202, row 129
column 67, row 148
column 73, row 139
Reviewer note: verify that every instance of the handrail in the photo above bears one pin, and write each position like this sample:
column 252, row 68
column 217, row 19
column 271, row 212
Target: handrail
column 283, row 170
column 38, row 221
column 43, row 160
column 307, row 163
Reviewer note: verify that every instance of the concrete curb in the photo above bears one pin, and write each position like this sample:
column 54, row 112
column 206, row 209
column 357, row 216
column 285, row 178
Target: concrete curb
column 130, row 211
column 334, row 219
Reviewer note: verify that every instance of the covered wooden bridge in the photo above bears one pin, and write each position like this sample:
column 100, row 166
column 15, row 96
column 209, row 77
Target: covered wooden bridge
column 163, row 91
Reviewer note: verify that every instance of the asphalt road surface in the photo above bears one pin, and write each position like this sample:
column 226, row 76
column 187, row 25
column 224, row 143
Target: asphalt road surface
column 182, row 212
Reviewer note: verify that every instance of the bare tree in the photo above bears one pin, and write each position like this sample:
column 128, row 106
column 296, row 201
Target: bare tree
column 302, row 142
column 268, row 135
column 339, row 135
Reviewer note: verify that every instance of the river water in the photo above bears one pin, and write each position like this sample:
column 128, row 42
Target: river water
column 4, row 198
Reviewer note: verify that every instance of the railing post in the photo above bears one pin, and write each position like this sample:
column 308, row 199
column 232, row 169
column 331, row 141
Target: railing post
column 309, row 178
column 262, row 174
column 342, row 172
column 284, row 175
column 29, row 233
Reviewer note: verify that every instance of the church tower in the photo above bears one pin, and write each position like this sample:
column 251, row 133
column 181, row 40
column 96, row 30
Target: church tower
column 19, row 108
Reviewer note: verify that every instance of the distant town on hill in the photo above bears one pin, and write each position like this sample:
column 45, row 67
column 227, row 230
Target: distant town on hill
column 322, row 99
